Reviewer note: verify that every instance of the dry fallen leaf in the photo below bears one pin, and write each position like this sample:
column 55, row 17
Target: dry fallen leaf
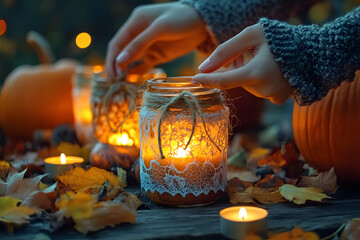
column 295, row 234
column 79, row 179
column 274, row 159
column 76, row 205
column 121, row 175
column 255, row 194
column 352, row 230
column 301, row 195
column 89, row 215
column 29, row 158
column 25, row 189
column 235, row 185
column 129, row 199
column 246, row 176
column 12, row 213
column 108, row 214
column 327, row 181
column 270, row 182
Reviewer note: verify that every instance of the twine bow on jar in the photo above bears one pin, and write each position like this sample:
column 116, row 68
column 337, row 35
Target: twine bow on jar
column 182, row 100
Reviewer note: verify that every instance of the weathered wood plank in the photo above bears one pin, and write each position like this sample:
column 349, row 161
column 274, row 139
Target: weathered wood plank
column 203, row 222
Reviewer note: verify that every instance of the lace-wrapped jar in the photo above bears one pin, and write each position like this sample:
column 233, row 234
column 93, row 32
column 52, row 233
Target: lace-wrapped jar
column 115, row 116
column 116, row 119
column 184, row 140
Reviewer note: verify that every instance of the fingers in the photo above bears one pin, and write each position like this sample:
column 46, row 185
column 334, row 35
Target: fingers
column 132, row 27
column 233, row 48
column 140, row 44
column 224, row 80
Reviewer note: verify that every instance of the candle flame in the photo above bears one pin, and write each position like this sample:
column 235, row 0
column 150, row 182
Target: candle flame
column 180, row 152
column 62, row 158
column 242, row 214
column 121, row 139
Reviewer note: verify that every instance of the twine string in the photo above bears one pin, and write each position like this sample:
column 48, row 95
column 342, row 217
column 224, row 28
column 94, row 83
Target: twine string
column 125, row 89
column 194, row 105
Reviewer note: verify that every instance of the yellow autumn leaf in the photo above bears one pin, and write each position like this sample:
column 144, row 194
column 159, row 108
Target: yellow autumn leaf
column 300, row 195
column 107, row 213
column 13, row 213
column 295, row 234
column 253, row 194
column 121, row 175
column 89, row 215
column 43, row 186
column 76, row 205
column 79, row 179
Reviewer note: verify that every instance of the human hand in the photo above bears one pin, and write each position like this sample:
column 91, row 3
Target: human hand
column 155, row 33
column 262, row 76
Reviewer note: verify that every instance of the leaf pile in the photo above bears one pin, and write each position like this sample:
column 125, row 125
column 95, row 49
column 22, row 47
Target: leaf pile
column 269, row 177
column 90, row 215
column 92, row 199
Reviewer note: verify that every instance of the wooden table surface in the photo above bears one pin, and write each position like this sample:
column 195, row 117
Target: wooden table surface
column 203, row 222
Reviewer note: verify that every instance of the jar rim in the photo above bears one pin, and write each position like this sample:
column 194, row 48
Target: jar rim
column 172, row 86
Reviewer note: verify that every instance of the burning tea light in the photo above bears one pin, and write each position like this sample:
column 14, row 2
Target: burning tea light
column 59, row 165
column 238, row 222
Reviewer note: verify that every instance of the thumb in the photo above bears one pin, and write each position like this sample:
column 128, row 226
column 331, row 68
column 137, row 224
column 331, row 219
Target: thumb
column 231, row 49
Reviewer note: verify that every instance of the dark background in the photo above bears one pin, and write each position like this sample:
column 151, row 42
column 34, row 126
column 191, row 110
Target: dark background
column 59, row 21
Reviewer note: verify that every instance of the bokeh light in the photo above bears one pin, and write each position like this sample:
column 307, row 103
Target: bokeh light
column 97, row 69
column 2, row 27
column 83, row 40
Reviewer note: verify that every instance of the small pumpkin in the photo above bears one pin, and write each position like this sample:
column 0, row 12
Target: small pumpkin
column 106, row 156
column 327, row 132
column 37, row 97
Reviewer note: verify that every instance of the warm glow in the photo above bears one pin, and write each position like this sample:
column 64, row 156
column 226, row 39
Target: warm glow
column 62, row 159
column 83, row 40
column 121, row 139
column 86, row 115
column 181, row 153
column 242, row 214
column 2, row 27
column 97, row 69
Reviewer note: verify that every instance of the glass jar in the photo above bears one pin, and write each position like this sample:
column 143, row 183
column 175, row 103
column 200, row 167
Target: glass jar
column 114, row 108
column 81, row 92
column 184, row 140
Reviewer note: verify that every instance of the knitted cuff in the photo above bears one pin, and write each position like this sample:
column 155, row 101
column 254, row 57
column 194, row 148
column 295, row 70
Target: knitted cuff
column 209, row 45
column 288, row 50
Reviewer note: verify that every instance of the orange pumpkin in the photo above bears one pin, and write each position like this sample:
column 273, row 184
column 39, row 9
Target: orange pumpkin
column 327, row 132
column 37, row 97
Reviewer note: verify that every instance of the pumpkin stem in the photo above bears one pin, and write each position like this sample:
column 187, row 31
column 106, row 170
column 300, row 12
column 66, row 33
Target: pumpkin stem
column 41, row 46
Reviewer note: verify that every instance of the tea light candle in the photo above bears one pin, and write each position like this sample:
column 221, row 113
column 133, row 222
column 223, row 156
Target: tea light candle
column 238, row 222
column 59, row 165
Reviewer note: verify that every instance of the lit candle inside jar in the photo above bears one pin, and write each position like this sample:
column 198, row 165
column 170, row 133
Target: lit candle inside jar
column 121, row 139
column 61, row 164
column 238, row 222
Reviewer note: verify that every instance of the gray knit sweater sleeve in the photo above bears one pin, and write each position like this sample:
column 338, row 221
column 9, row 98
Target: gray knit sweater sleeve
column 315, row 59
column 226, row 18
